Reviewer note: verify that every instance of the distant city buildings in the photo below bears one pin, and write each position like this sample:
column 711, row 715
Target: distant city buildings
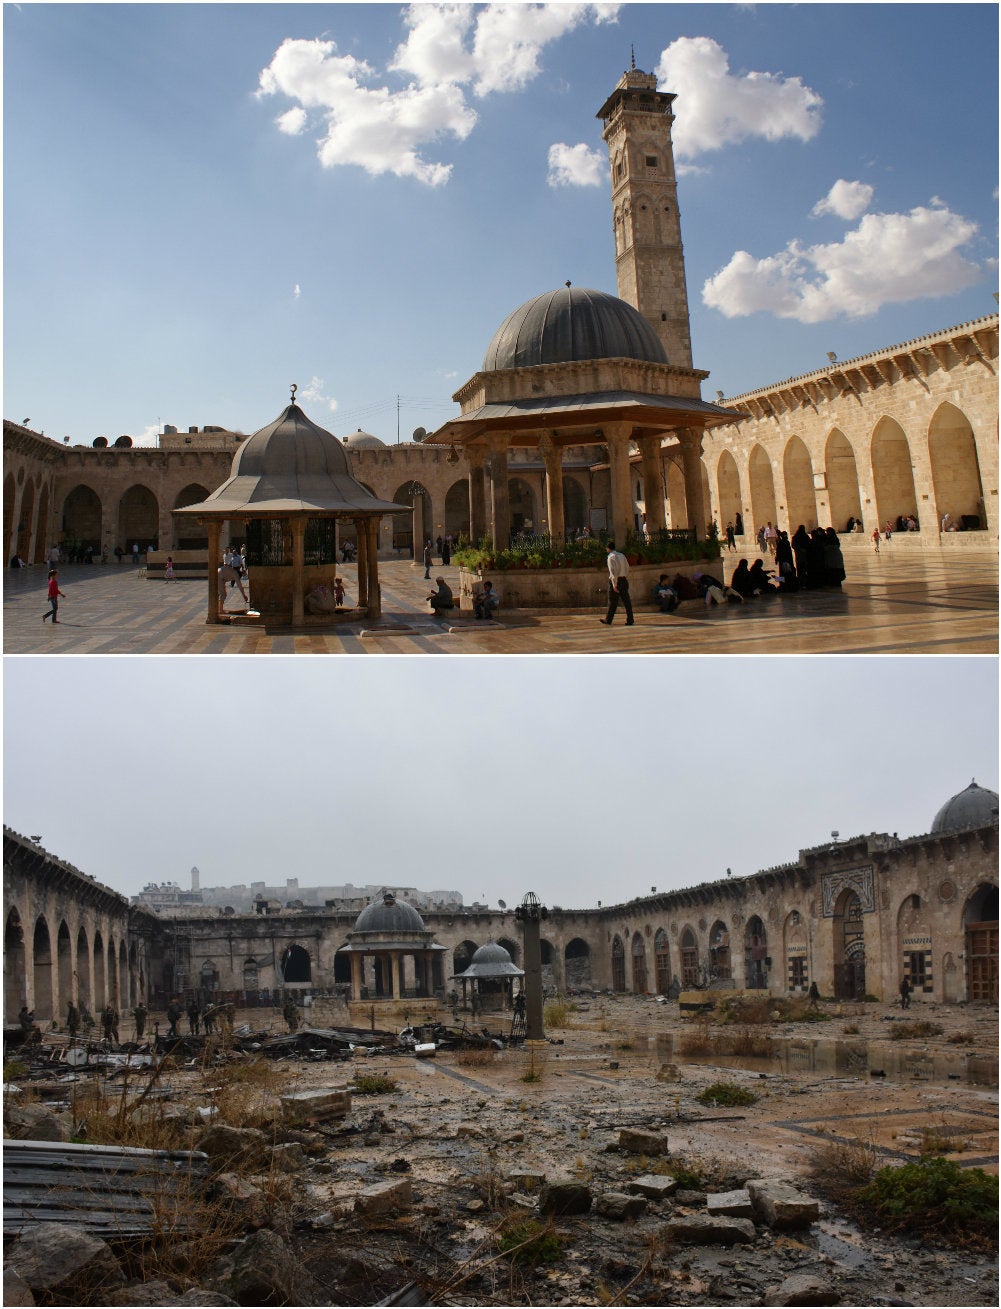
column 169, row 898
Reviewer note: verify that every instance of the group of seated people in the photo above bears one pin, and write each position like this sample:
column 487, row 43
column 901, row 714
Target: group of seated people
column 441, row 600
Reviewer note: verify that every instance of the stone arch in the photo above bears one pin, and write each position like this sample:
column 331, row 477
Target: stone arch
column 637, row 950
column 796, row 948
column 892, row 472
column 100, row 976
column 689, row 949
column 955, row 468
column 9, row 495
column 83, row 970
column 575, row 514
column 755, row 955
column 457, row 509
column 677, row 501
column 64, row 967
column 801, row 499
column 762, row 487
column 418, row 497
column 82, row 516
column 849, row 947
column 296, row 966
column 26, row 522
column 644, row 220
column 510, row 946
column 15, row 970
column 618, row 218
column 188, row 534
column 208, row 977
column 462, row 956
column 727, row 490
column 41, row 527
column 980, row 929
column 251, row 975
column 342, row 964
column 577, row 964
column 720, row 966
column 914, row 944
column 843, row 496
column 524, row 517
column 662, row 961
column 42, row 970
column 138, row 517
column 618, row 964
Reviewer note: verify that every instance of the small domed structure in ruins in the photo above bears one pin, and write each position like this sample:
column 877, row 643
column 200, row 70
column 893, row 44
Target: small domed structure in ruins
column 393, row 955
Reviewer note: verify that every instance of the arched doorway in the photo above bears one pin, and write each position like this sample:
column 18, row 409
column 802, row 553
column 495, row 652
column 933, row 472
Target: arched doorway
column 549, row 959
column 26, row 522
column 296, row 965
column 618, row 965
column 522, row 502
column 15, row 992
column 914, row 937
column 689, row 959
column 251, row 979
column 416, row 495
column 759, row 474
column 577, row 964
column 677, row 501
column 892, row 474
column 574, row 505
column 42, row 971
column 842, row 481
column 82, row 517
column 801, row 501
column 639, row 964
column 849, row 948
column 190, row 495
column 138, row 518
column 797, row 952
column 83, row 959
column 980, row 927
column 955, row 469
column 100, row 990
column 64, row 967
column 511, row 947
column 719, row 953
column 462, row 956
column 728, row 490
column 457, row 510
column 342, row 965
column 755, row 952
column 662, row 957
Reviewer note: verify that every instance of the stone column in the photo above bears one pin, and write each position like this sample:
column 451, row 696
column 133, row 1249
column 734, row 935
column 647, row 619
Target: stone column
column 214, row 528
column 361, row 538
column 500, row 500
column 475, row 455
column 165, row 539
column 552, row 455
column 356, row 976
column 395, row 964
column 298, row 571
column 653, row 488
column 374, row 595
column 109, row 528
column 691, row 458
column 617, row 437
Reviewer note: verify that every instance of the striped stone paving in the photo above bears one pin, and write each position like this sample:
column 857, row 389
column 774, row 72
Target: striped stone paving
column 919, row 604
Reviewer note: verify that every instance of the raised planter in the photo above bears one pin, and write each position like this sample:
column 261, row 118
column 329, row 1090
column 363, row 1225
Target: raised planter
column 572, row 588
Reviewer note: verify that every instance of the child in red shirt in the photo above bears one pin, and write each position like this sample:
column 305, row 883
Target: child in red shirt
column 54, row 594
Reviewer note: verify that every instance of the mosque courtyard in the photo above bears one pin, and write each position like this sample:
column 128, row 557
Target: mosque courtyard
column 926, row 603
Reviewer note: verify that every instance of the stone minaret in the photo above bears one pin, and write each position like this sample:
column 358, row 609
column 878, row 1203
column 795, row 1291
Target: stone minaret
column 649, row 259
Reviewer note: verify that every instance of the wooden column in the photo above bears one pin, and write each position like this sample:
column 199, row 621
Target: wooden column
column 298, row 571
column 552, row 455
column 500, row 498
column 475, row 455
column 215, row 560
column 374, row 594
column 653, row 490
column 617, row 437
column 691, row 456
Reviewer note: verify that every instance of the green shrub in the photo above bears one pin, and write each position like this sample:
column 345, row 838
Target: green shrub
column 14, row 1068
column 726, row 1095
column 935, row 1195
column 526, row 1241
column 374, row 1084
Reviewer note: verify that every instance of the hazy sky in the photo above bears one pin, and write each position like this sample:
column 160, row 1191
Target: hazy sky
column 583, row 779
column 204, row 203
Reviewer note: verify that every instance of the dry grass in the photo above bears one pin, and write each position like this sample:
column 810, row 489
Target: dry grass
column 473, row 1058
column 840, row 1167
column 962, row 1038
column 916, row 1030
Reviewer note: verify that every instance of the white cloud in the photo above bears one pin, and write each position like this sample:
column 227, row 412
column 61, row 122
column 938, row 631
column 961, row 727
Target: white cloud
column 313, row 394
column 296, row 291
column 716, row 108
column 845, row 200
column 887, row 259
column 576, row 165
column 448, row 49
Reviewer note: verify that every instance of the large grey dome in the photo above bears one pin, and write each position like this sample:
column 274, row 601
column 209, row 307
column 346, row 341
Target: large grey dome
column 389, row 915
column 974, row 807
column 293, row 446
column 491, row 953
column 571, row 325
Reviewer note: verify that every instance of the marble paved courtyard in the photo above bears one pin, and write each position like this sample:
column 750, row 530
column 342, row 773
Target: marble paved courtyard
column 927, row 604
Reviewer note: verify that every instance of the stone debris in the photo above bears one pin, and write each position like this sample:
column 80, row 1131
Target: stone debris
column 618, row 1205
column 319, row 1105
column 385, row 1198
column 634, row 1141
column 655, row 1186
column 730, row 1204
column 61, row 1263
column 781, row 1205
column 802, row 1289
column 561, row 1199
column 704, row 1229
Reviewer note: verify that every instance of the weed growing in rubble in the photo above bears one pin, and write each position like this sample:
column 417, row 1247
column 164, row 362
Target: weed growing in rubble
column 527, row 1241
column 14, row 1068
column 962, row 1038
column 374, row 1084
column 934, row 1197
column 915, row 1031
column 531, row 1076
column 842, row 1166
column 850, row 1029
column 935, row 1140
column 557, row 1013
column 474, row 1058
column 726, row 1095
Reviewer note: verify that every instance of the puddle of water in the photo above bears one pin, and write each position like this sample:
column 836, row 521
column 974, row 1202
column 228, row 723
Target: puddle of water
column 843, row 1252
column 847, row 1058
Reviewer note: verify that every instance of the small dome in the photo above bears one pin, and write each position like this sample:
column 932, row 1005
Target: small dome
column 364, row 441
column 974, row 807
column 570, row 325
column 491, row 953
column 389, row 915
column 292, row 446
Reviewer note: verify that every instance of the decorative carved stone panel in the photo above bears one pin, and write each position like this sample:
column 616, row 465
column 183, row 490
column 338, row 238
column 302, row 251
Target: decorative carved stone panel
column 947, row 891
column 859, row 880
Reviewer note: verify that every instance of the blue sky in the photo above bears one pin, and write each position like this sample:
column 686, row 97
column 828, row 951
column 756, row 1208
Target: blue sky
column 204, row 203
column 546, row 776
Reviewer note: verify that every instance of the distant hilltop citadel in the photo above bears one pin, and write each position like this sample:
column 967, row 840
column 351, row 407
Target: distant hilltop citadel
column 171, row 899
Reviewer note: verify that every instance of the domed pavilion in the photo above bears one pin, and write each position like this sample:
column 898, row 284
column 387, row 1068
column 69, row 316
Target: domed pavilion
column 291, row 489
column 576, row 367
column 490, row 976
column 394, row 958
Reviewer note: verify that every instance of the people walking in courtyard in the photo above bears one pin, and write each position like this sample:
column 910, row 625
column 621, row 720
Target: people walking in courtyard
column 428, row 559
column 168, row 570
column 875, row 538
column 905, row 994
column 139, row 1017
column 72, row 1020
column 135, row 553
column 731, row 543
column 109, row 1023
column 291, row 1015
column 618, row 586
column 173, row 1018
column 193, row 1017
column 814, row 996
column 54, row 595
